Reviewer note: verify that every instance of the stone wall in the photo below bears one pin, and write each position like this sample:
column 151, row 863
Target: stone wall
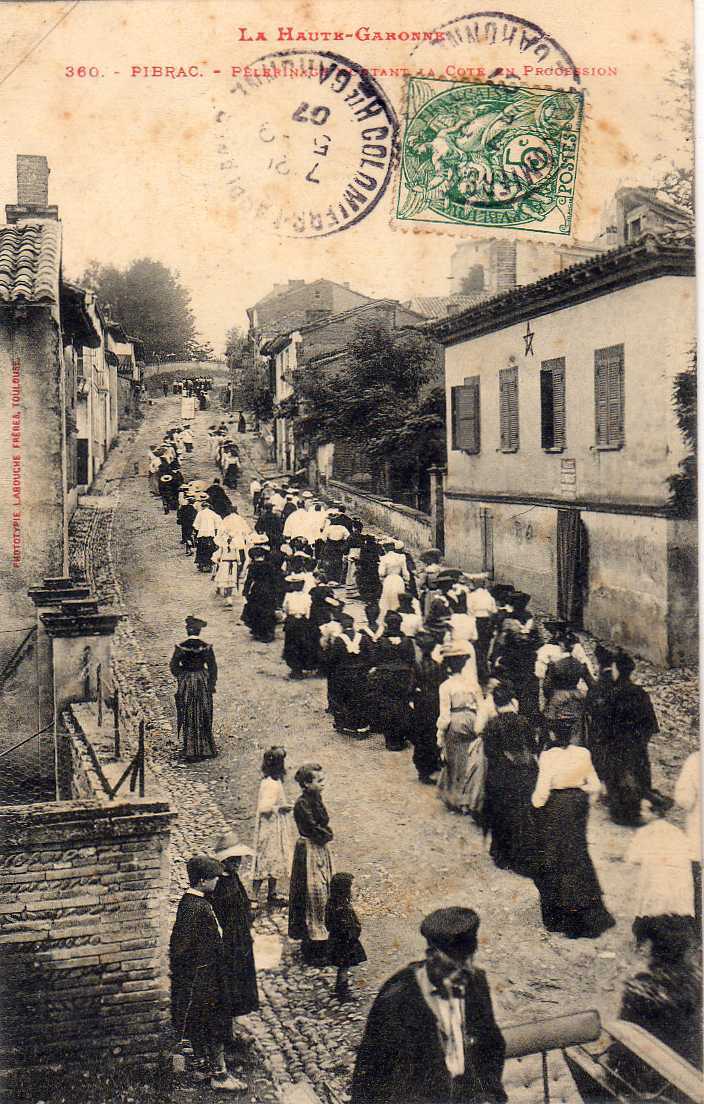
column 402, row 522
column 82, row 896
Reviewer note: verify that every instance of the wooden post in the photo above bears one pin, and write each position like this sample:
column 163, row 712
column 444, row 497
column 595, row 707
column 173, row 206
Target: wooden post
column 116, row 721
column 546, row 1082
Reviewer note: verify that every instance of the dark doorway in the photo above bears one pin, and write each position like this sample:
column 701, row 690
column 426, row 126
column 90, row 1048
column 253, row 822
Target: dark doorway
column 572, row 566
column 82, row 461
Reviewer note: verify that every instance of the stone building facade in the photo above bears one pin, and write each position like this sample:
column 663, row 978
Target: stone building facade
column 561, row 438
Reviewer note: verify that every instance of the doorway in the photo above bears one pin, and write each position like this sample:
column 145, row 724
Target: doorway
column 572, row 566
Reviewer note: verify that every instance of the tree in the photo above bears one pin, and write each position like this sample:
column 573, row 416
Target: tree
column 379, row 402
column 149, row 302
column 683, row 485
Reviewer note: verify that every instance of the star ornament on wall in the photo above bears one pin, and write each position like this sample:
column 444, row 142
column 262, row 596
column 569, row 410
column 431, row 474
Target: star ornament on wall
column 528, row 338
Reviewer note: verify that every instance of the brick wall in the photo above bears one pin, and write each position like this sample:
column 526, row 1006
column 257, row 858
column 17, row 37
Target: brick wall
column 32, row 180
column 83, row 897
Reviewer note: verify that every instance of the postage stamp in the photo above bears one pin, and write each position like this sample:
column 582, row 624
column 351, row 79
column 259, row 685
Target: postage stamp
column 485, row 155
column 306, row 142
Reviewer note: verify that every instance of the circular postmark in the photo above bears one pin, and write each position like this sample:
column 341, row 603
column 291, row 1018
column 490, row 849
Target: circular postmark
column 495, row 45
column 306, row 142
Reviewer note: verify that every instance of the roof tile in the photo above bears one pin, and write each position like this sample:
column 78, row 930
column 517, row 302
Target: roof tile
column 30, row 258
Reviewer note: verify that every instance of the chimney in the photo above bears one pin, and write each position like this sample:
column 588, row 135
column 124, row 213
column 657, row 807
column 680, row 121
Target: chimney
column 32, row 190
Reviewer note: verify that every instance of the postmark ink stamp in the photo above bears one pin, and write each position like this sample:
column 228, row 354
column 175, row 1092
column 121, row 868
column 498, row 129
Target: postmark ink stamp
column 306, row 142
column 491, row 156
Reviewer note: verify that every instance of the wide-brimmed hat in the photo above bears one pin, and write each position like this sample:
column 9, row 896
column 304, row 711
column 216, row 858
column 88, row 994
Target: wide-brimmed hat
column 228, row 846
column 194, row 622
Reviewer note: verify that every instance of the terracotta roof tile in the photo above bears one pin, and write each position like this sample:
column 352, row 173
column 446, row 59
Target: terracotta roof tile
column 30, row 258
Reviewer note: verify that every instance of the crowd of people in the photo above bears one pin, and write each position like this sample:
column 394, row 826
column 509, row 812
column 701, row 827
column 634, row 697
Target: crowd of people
column 516, row 725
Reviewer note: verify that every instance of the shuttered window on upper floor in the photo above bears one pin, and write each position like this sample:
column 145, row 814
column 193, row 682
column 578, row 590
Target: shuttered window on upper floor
column 609, row 396
column 508, row 409
column 552, row 403
column 465, row 416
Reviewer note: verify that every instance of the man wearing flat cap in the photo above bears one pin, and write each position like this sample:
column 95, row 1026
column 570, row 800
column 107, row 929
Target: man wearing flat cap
column 431, row 1037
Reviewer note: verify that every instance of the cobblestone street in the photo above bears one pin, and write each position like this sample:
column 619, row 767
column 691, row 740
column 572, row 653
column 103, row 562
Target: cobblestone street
column 407, row 853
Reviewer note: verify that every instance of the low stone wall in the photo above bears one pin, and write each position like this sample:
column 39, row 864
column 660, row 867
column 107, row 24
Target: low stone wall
column 82, row 896
column 402, row 522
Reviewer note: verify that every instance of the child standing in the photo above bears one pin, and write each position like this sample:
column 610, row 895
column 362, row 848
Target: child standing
column 274, row 833
column 344, row 930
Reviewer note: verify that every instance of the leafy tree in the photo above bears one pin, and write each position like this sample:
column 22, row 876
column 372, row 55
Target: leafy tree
column 378, row 401
column 149, row 301
column 683, row 485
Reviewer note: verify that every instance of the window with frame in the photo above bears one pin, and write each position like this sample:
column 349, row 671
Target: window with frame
column 466, row 416
column 552, row 404
column 609, row 397
column 508, row 409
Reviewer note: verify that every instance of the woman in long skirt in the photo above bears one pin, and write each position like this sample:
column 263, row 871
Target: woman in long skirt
column 461, row 782
column 512, row 772
column 274, row 830
column 633, row 722
column 367, row 573
column 193, row 665
column 391, row 683
column 300, row 650
column 312, row 867
column 570, row 894
column 234, row 913
column 259, row 590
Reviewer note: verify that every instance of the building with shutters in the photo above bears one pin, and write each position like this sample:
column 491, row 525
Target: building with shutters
column 561, row 439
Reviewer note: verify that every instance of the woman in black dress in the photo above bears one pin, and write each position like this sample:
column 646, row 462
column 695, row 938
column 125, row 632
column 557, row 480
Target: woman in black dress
column 368, row 581
column 193, row 665
column 598, row 704
column 633, row 722
column 232, row 907
column 512, row 771
column 570, row 894
column 391, row 683
column 311, row 871
column 260, row 593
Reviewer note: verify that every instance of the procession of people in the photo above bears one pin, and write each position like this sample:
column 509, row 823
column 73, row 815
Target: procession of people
column 514, row 722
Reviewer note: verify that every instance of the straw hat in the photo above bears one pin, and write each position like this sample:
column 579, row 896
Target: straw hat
column 228, row 846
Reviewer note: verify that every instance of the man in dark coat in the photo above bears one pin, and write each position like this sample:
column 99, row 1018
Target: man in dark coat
column 199, row 1001
column 431, row 1037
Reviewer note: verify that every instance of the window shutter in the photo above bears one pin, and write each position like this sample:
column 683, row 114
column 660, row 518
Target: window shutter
column 508, row 409
column 465, row 416
column 469, row 415
column 453, row 411
column 558, row 403
column 609, row 396
column 547, row 434
column 552, row 403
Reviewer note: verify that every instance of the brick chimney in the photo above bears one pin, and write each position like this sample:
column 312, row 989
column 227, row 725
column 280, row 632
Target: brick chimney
column 32, row 190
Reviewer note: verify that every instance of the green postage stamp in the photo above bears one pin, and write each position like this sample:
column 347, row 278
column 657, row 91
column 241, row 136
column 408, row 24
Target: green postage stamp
column 489, row 156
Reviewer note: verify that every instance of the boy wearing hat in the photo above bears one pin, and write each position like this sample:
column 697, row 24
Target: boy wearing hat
column 199, row 1004
column 431, row 1036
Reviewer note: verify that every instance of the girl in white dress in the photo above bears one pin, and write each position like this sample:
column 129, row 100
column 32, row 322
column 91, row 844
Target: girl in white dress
column 274, row 832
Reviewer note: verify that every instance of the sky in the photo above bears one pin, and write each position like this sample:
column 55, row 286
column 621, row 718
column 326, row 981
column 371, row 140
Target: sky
column 135, row 164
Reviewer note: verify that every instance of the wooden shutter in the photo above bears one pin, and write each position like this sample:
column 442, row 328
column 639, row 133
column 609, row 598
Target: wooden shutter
column 465, row 416
column 552, row 403
column 508, row 409
column 470, row 426
column 609, row 396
